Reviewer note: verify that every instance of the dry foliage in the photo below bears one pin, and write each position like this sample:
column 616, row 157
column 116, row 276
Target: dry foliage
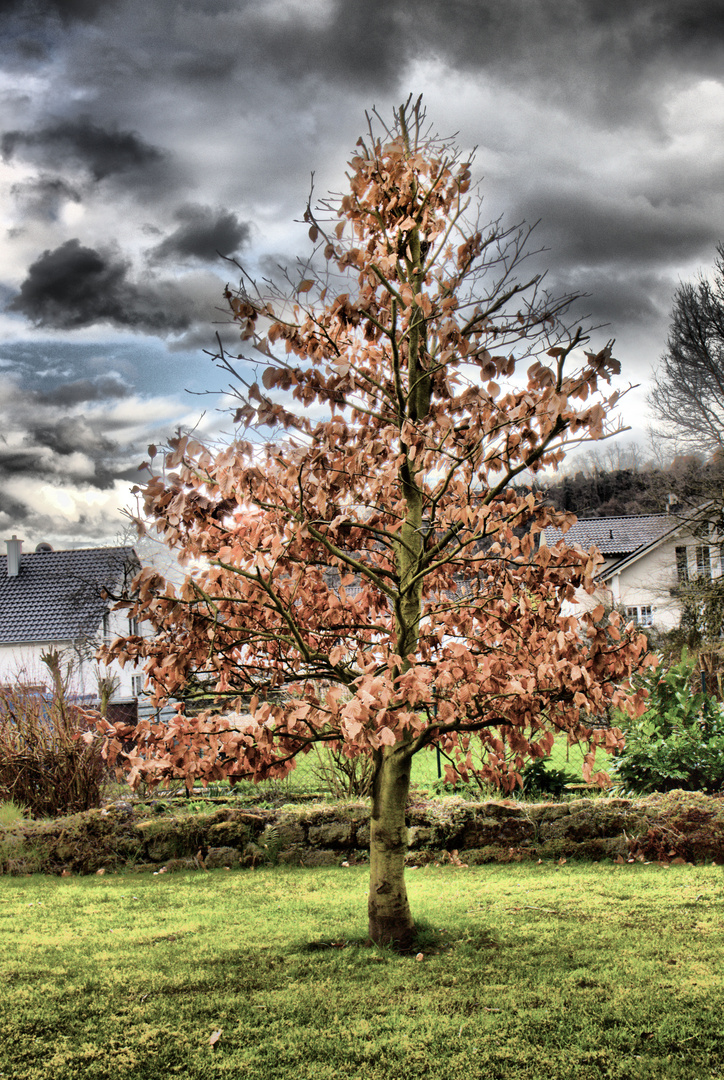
column 380, row 560
column 45, row 765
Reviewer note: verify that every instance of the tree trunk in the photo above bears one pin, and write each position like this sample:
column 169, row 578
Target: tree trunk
column 390, row 921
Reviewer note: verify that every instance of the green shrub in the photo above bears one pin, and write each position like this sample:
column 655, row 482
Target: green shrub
column 679, row 740
column 541, row 778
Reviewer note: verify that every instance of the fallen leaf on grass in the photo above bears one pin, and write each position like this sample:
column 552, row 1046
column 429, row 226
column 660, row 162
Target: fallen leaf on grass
column 215, row 1036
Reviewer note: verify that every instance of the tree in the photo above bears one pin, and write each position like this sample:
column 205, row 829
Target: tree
column 688, row 392
column 688, row 398
column 372, row 580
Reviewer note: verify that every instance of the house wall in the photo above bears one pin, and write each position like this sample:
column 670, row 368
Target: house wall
column 22, row 662
column 650, row 581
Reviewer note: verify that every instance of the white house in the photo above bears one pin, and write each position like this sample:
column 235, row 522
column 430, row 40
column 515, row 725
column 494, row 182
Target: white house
column 57, row 599
column 646, row 559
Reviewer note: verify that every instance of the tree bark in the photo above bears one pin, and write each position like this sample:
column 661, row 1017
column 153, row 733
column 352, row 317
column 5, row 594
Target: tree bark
column 390, row 920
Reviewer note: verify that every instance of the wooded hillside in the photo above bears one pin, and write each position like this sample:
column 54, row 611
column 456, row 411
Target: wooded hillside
column 594, row 491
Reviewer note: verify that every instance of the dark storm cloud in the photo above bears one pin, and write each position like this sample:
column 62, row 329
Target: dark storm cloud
column 48, row 438
column 43, row 196
column 67, row 11
column 613, row 297
column 45, row 462
column 75, row 286
column 204, row 234
column 592, row 226
column 69, row 435
column 102, row 151
column 602, row 48
column 102, row 388
column 13, row 511
column 363, row 44
column 611, row 35
column 19, row 462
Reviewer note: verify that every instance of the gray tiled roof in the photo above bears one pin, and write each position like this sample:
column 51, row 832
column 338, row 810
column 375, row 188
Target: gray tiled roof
column 616, row 535
column 56, row 596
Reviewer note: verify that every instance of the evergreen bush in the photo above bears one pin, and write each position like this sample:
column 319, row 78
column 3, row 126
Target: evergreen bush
column 678, row 742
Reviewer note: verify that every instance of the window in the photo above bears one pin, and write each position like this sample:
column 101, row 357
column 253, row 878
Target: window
column 106, row 628
column 137, row 685
column 642, row 615
column 682, row 565
column 133, row 626
column 703, row 562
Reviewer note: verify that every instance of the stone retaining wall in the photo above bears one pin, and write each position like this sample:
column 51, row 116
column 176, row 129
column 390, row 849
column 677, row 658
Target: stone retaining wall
column 679, row 825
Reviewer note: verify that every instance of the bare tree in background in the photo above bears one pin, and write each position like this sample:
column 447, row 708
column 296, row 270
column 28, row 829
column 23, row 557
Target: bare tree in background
column 688, row 393
column 688, row 400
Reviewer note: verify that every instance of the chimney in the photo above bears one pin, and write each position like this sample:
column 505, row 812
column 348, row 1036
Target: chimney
column 15, row 548
column 672, row 500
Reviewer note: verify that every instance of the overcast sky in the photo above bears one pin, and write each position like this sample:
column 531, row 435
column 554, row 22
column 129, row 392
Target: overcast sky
column 140, row 139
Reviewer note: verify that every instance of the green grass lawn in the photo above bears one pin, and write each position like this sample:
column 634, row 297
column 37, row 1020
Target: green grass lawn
column 541, row 972
column 304, row 777
column 424, row 764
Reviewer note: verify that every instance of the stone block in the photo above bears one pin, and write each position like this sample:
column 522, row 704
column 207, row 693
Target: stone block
column 221, row 856
column 282, row 834
column 419, row 836
column 234, row 834
column 363, row 836
column 334, row 835
column 161, row 848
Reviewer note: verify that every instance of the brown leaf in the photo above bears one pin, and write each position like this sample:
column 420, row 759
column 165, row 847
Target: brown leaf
column 306, row 285
column 215, row 1036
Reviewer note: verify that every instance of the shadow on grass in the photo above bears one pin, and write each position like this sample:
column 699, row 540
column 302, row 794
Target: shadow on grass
column 428, row 940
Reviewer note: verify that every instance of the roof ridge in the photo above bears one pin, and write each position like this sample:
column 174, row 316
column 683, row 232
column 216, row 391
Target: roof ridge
column 623, row 517
column 73, row 551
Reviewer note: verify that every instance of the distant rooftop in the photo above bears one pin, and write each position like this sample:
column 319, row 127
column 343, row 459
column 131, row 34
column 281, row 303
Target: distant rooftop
column 57, row 595
column 614, row 536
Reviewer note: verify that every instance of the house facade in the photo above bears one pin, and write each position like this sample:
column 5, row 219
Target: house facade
column 646, row 560
column 60, row 600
